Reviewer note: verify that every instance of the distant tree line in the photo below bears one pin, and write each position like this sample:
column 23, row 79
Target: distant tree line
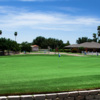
column 42, row 42
column 11, row 45
column 86, row 39
column 25, row 46
column 53, row 43
column 8, row 45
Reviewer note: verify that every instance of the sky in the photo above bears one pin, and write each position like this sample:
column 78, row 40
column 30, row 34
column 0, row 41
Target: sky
column 61, row 19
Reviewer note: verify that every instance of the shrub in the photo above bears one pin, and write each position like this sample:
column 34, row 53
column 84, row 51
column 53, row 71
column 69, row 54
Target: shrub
column 61, row 50
column 53, row 50
column 67, row 50
column 74, row 50
column 81, row 49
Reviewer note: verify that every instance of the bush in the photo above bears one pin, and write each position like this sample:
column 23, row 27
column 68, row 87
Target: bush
column 74, row 50
column 81, row 49
column 67, row 50
column 53, row 50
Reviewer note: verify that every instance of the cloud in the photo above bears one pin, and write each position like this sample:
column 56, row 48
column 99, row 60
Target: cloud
column 42, row 21
column 46, row 21
column 21, row 20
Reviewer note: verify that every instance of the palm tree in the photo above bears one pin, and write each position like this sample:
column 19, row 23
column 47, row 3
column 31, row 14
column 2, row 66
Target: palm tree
column 94, row 37
column 0, row 32
column 98, row 28
column 15, row 35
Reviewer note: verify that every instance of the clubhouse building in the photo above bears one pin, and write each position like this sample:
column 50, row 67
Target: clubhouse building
column 88, row 46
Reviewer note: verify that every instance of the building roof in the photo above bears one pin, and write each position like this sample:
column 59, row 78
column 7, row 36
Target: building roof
column 72, row 46
column 85, row 45
column 34, row 46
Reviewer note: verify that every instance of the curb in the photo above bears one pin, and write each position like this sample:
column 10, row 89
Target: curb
column 74, row 95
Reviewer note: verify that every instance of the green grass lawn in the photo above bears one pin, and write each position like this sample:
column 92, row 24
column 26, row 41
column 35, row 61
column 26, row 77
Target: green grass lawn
column 43, row 73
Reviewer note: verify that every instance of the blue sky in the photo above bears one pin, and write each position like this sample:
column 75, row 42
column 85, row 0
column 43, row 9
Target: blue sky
column 61, row 19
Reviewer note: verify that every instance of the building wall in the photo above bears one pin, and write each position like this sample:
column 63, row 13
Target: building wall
column 35, row 49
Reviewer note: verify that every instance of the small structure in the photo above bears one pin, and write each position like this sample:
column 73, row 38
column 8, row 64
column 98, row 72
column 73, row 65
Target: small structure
column 88, row 46
column 35, row 47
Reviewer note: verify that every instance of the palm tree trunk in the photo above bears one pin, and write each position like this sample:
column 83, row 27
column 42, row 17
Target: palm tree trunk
column 98, row 39
column 15, row 38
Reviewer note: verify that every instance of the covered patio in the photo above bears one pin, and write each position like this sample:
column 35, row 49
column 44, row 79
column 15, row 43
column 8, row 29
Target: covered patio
column 88, row 46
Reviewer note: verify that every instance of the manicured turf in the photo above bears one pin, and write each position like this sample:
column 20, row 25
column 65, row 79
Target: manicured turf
column 39, row 74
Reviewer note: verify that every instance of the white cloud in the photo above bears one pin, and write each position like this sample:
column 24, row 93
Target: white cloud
column 15, row 20
column 43, row 18
column 50, row 22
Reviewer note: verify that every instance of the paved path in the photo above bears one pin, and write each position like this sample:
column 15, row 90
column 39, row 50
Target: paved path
column 52, row 53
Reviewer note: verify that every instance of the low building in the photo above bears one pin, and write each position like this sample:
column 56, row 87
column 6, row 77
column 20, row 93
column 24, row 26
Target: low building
column 35, row 47
column 88, row 46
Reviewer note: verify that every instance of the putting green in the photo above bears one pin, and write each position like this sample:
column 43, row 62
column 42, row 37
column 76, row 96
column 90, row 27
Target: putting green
column 40, row 73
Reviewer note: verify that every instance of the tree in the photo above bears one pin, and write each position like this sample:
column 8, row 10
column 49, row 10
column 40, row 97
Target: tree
column 12, row 46
column 82, row 40
column 40, row 41
column 99, row 41
column 51, row 42
column 86, row 39
column 98, row 28
column 68, row 43
column 43, row 42
column 3, row 45
column 25, row 46
column 60, row 44
column 94, row 35
column 15, row 35
column 8, row 45
column 0, row 32
column 90, row 40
